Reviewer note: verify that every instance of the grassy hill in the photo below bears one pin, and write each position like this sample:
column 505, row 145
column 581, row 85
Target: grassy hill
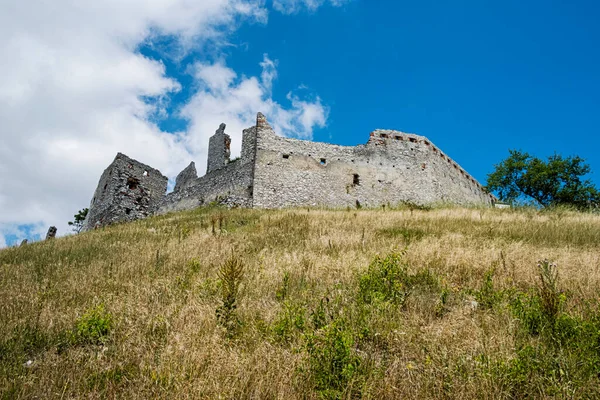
column 443, row 303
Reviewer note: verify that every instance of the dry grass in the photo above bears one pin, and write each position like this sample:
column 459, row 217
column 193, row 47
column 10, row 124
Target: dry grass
column 158, row 281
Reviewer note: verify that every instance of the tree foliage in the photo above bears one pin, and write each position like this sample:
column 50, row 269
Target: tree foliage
column 557, row 181
column 78, row 219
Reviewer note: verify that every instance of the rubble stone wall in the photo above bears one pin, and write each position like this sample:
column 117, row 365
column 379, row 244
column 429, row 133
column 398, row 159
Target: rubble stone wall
column 273, row 172
column 393, row 167
column 127, row 190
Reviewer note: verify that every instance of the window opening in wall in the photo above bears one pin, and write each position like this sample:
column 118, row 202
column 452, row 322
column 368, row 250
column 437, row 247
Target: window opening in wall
column 398, row 137
column 132, row 183
column 426, row 143
column 145, row 173
column 128, row 211
column 286, row 156
column 384, row 135
column 104, row 189
column 355, row 179
column 413, row 140
column 323, row 161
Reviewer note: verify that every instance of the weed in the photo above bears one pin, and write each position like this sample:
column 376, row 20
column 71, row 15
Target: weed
column 551, row 298
column 332, row 360
column 291, row 321
column 385, row 280
column 231, row 274
column 283, row 290
column 93, row 327
column 487, row 296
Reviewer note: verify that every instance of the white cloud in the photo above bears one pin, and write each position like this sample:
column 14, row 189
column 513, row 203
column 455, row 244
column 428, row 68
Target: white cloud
column 72, row 85
column 294, row 6
column 223, row 96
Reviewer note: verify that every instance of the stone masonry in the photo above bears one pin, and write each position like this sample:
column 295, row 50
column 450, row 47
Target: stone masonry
column 274, row 172
column 128, row 190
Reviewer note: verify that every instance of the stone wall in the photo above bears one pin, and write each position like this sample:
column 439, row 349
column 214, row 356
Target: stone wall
column 273, row 172
column 231, row 184
column 127, row 190
column 393, row 167
column 218, row 150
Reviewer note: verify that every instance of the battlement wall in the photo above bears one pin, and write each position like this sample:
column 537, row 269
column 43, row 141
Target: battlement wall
column 393, row 167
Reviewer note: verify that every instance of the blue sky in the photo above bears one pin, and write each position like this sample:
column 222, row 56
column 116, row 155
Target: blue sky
column 475, row 77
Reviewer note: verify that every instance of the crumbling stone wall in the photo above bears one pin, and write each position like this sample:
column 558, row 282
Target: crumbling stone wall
column 186, row 178
column 128, row 190
column 273, row 172
column 392, row 167
column 218, row 150
column 230, row 184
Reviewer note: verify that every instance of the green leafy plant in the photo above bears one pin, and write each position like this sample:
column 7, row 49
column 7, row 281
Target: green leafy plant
column 557, row 181
column 93, row 327
column 332, row 360
column 487, row 296
column 291, row 321
column 550, row 296
column 385, row 280
column 78, row 220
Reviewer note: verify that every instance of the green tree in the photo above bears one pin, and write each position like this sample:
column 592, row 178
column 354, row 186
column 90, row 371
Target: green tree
column 77, row 223
column 557, row 181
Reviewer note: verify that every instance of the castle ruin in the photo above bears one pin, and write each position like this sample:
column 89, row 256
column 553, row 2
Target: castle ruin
column 274, row 172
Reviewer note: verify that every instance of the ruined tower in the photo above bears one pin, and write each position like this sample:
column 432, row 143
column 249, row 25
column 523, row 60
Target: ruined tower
column 128, row 190
column 218, row 150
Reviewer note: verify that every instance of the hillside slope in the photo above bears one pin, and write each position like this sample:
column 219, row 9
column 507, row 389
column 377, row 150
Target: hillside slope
column 444, row 303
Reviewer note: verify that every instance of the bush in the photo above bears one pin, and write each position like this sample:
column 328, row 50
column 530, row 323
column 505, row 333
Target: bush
column 93, row 327
column 290, row 322
column 332, row 360
column 385, row 280
column 555, row 349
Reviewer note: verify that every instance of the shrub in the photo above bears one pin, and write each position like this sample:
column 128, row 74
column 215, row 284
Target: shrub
column 332, row 360
column 385, row 280
column 290, row 322
column 93, row 327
